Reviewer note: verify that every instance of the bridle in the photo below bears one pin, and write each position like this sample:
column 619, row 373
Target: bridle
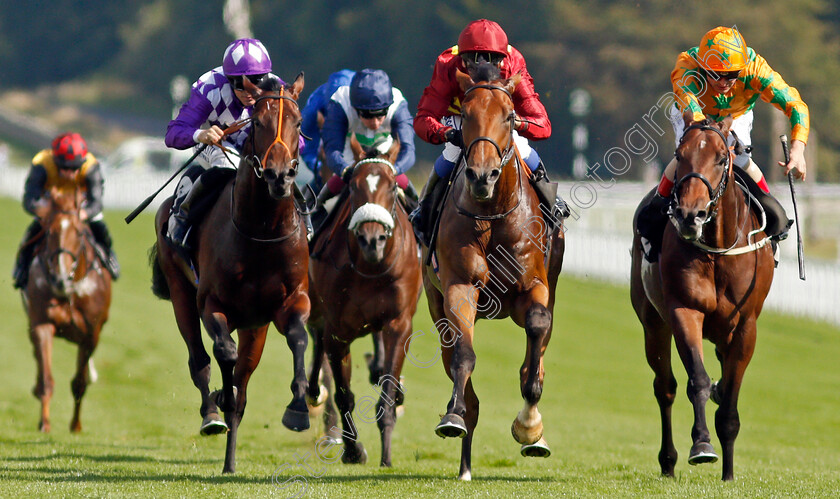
column 57, row 276
column 505, row 156
column 714, row 193
column 259, row 164
column 375, row 209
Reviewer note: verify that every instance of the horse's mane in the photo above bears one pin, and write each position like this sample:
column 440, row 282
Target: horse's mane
column 485, row 72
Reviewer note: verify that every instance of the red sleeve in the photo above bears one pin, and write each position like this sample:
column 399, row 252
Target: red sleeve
column 436, row 100
column 526, row 101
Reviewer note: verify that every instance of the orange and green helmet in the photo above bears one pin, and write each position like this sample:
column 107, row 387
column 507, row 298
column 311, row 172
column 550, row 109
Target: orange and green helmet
column 722, row 50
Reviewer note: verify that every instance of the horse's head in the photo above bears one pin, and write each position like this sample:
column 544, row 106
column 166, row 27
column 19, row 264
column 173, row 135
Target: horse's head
column 487, row 124
column 273, row 146
column 373, row 194
column 63, row 255
column 704, row 165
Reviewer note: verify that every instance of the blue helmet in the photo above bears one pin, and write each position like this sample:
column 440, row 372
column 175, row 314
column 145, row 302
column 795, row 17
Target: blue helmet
column 370, row 89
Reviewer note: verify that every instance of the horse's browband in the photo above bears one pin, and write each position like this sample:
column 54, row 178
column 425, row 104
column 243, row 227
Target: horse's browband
column 490, row 87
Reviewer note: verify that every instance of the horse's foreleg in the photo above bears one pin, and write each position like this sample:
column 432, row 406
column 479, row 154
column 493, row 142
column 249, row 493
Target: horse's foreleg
column 316, row 392
column 727, row 421
column 456, row 338
column 251, row 344
column 658, row 353
column 296, row 417
column 688, row 335
column 187, row 319
column 42, row 342
column 79, row 383
column 224, row 350
column 527, row 428
column 338, row 354
column 376, row 362
column 393, row 341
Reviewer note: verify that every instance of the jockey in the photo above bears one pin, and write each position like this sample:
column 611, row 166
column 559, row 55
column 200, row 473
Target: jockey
column 438, row 118
column 375, row 113
column 723, row 77
column 68, row 166
column 313, row 115
column 218, row 98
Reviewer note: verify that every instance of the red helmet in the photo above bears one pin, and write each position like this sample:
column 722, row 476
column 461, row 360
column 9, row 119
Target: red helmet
column 483, row 36
column 69, row 150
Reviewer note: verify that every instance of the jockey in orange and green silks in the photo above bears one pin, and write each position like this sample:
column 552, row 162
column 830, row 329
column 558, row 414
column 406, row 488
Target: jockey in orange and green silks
column 722, row 77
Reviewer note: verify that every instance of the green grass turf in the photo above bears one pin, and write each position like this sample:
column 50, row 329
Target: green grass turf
column 140, row 421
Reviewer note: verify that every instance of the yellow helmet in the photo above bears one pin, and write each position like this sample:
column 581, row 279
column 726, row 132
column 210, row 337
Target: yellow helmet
column 722, row 50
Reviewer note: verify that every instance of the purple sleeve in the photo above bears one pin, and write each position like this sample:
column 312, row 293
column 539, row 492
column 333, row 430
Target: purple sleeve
column 193, row 114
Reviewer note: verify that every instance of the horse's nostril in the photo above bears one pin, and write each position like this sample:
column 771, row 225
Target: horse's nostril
column 470, row 174
column 494, row 174
column 270, row 174
column 701, row 214
column 292, row 173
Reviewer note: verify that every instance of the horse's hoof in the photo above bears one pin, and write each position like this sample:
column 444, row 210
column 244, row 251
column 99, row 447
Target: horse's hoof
column 218, row 398
column 320, row 399
column 714, row 394
column 536, row 449
column 452, row 426
column 702, row 452
column 526, row 435
column 212, row 425
column 354, row 456
column 465, row 476
column 296, row 420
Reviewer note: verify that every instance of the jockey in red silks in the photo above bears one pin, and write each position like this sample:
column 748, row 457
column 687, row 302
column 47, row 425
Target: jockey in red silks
column 438, row 119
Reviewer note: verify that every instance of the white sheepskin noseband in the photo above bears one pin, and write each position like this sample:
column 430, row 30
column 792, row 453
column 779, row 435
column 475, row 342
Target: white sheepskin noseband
column 372, row 212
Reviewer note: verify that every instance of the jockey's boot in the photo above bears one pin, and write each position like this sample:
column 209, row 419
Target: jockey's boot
column 651, row 225
column 411, row 197
column 422, row 217
column 778, row 224
column 319, row 216
column 104, row 247
column 180, row 221
column 549, row 195
column 25, row 253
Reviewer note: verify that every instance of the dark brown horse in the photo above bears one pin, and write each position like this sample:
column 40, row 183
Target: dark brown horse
column 68, row 295
column 250, row 269
column 713, row 275
column 366, row 280
column 497, row 257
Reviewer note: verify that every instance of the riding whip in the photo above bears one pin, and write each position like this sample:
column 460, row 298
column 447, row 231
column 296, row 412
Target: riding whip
column 142, row 206
column 800, row 254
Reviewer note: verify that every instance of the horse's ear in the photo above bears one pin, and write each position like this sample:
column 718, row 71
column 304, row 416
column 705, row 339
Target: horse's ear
column 512, row 82
column 725, row 125
column 464, row 80
column 296, row 86
column 688, row 117
column 394, row 150
column 358, row 152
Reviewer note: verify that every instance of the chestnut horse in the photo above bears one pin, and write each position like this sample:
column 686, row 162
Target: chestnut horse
column 68, row 295
column 250, row 269
column 492, row 262
column 366, row 280
column 713, row 274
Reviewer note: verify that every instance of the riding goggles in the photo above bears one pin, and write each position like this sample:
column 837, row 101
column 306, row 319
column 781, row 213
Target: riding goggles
column 237, row 83
column 723, row 76
column 476, row 58
column 372, row 113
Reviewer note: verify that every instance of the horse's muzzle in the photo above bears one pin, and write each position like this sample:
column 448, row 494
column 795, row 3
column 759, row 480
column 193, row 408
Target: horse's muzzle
column 280, row 183
column 482, row 185
column 689, row 223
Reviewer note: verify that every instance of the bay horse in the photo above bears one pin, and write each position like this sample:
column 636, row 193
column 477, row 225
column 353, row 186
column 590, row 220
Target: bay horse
column 68, row 295
column 365, row 280
column 713, row 274
column 493, row 263
column 249, row 269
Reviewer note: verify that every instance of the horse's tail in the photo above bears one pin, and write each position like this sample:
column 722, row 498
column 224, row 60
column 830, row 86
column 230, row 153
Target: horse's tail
column 159, row 286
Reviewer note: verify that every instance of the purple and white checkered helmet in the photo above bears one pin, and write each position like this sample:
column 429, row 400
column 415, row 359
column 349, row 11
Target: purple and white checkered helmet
column 246, row 56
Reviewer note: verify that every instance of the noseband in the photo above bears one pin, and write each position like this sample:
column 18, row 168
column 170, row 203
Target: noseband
column 714, row 194
column 508, row 152
column 55, row 275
